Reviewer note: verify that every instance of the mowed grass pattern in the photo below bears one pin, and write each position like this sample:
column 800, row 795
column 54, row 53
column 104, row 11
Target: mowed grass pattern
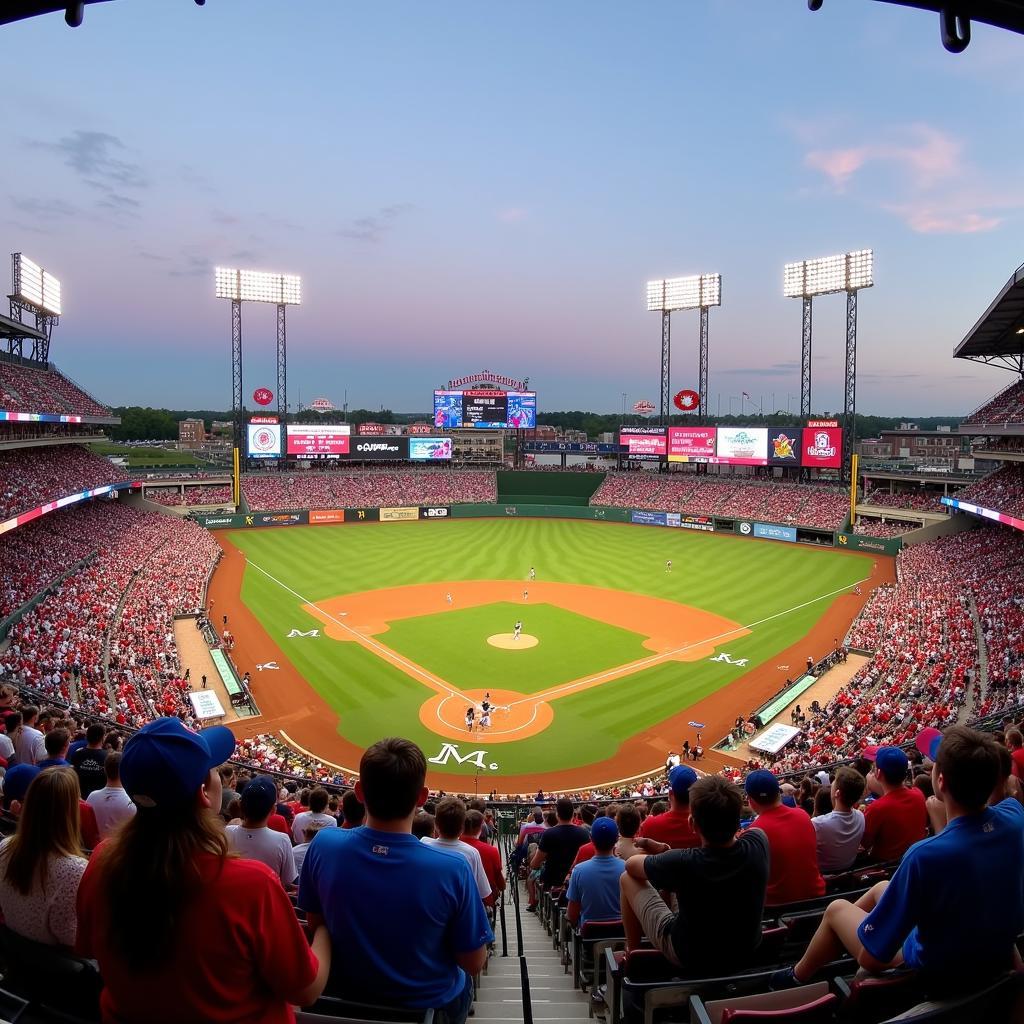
column 746, row 581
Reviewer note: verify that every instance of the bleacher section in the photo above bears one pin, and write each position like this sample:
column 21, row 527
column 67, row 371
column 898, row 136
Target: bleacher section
column 30, row 477
column 26, row 388
column 1002, row 491
column 1006, row 407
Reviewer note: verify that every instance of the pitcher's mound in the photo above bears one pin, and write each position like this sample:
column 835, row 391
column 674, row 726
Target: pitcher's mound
column 508, row 642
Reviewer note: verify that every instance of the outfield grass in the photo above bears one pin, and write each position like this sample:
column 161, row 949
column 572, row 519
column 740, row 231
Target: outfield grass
column 742, row 580
column 146, row 456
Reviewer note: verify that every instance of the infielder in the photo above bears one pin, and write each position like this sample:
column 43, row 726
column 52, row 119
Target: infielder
column 533, row 573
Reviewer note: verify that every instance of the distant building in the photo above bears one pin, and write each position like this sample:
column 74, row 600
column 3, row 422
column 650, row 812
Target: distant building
column 937, row 447
column 546, row 433
column 191, row 433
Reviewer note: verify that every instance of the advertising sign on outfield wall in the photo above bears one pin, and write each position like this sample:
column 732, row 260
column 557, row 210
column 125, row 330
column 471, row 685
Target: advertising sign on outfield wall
column 320, row 516
column 645, row 518
column 399, row 515
column 771, row 531
column 435, row 512
column 879, row 545
column 362, row 515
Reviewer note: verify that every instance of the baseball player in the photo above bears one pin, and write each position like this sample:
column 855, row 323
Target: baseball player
column 517, row 630
column 533, row 573
column 448, row 597
column 668, row 565
column 470, row 717
column 526, row 595
column 485, row 720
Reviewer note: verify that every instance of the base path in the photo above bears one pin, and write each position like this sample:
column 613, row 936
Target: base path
column 291, row 705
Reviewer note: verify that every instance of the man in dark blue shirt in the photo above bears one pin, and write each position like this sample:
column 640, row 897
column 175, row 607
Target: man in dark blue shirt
column 406, row 919
column 956, row 903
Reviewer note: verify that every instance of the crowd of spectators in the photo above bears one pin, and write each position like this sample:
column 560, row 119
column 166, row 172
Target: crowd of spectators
column 920, row 500
column 815, row 505
column 172, row 497
column 370, row 488
column 1006, row 407
column 869, row 526
column 1002, row 491
column 30, row 477
column 32, row 389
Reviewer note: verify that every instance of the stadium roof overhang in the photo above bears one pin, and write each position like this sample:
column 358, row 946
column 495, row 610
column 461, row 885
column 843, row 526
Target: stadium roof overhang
column 10, row 328
column 998, row 337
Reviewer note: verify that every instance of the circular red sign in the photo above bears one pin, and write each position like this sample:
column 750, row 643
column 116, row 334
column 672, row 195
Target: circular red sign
column 687, row 400
column 263, row 396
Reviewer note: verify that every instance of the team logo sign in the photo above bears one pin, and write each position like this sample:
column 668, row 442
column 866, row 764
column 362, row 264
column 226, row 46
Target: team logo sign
column 687, row 400
column 745, row 528
column 263, row 396
column 782, row 447
column 823, row 447
column 264, row 440
column 450, row 751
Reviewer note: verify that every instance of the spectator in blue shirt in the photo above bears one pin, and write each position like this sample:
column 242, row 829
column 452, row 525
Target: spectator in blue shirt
column 407, row 919
column 594, row 884
column 956, row 903
column 56, row 742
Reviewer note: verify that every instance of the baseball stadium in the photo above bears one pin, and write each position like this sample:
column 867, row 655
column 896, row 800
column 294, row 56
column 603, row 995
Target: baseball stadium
column 720, row 716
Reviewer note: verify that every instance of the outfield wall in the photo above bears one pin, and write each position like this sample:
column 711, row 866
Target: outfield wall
column 523, row 487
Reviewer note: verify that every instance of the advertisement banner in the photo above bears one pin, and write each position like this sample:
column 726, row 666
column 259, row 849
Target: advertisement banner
column 645, row 518
column 822, row 447
column 264, row 440
column 435, row 512
column 399, row 515
column 429, row 449
column 380, row 448
column 877, row 545
column 317, row 441
column 743, row 446
column 321, row 516
column 278, row 518
column 703, row 523
column 771, row 531
column 691, row 444
column 644, row 444
column 784, row 446
column 362, row 515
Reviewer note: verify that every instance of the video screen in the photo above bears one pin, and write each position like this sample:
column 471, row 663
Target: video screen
column 429, row 449
column 743, row 446
column 691, row 444
column 486, row 409
column 264, row 440
column 822, row 447
column 644, row 444
column 318, row 441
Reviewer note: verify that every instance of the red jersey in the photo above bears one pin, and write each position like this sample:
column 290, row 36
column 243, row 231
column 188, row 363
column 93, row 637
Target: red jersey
column 672, row 827
column 278, row 824
column 90, row 830
column 241, row 954
column 1017, row 757
column 585, row 852
column 894, row 822
column 491, row 858
column 793, row 844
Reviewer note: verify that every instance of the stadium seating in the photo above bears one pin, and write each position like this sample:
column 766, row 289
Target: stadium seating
column 348, row 489
column 30, row 477
column 775, row 501
column 172, row 497
column 1006, row 407
column 1002, row 491
column 869, row 526
column 927, row 501
column 32, row 389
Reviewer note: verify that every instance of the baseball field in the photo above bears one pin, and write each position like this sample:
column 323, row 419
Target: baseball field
column 358, row 631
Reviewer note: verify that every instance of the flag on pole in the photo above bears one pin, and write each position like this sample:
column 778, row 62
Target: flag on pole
column 745, row 395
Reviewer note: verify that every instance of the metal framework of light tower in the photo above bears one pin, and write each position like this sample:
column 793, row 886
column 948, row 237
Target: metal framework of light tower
column 257, row 286
column 699, row 291
column 35, row 293
column 847, row 272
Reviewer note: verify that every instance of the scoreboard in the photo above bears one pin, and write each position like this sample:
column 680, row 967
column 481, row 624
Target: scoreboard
column 318, row 441
column 492, row 409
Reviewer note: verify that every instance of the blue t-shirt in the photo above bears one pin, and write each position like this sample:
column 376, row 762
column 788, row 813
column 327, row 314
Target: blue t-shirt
column 956, row 902
column 53, row 762
column 594, row 885
column 398, row 912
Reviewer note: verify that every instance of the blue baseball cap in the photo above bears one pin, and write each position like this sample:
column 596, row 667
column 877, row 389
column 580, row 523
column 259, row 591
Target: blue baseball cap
column 892, row 763
column 164, row 764
column 680, row 779
column 603, row 833
column 18, row 779
column 762, row 786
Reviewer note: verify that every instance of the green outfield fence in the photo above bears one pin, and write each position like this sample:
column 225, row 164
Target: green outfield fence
column 522, row 487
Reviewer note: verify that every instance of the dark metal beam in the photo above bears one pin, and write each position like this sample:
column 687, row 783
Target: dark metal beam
column 666, row 357
column 850, row 389
column 702, row 363
column 282, row 365
column 805, row 360
column 237, row 406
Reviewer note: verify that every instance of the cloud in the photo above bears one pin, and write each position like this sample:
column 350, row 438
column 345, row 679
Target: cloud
column 193, row 266
column 94, row 156
column 372, row 228
column 512, row 215
column 917, row 173
column 244, row 256
column 44, row 209
column 144, row 255
column 220, row 217
column 787, row 369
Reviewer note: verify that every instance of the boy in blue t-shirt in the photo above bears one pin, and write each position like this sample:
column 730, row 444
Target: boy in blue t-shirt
column 594, row 884
column 956, row 903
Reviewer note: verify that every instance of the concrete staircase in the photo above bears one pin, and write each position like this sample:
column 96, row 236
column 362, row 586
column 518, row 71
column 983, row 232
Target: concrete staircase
column 500, row 997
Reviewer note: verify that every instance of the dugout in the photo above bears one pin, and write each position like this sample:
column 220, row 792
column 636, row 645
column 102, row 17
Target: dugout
column 528, row 487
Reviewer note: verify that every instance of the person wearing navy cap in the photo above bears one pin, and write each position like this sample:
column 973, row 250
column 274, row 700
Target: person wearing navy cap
column 898, row 818
column 594, row 884
column 182, row 930
column 673, row 827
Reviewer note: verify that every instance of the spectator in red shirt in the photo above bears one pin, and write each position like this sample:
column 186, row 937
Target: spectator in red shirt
column 898, row 818
column 792, row 841
column 674, row 826
column 182, row 930
column 1015, row 743
column 490, row 855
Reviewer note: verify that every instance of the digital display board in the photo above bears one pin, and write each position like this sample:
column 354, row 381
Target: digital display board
column 429, row 449
column 318, row 441
column 644, row 444
column 743, row 446
column 493, row 409
column 822, row 447
column 784, row 446
column 372, row 448
column 264, row 440
column 691, row 444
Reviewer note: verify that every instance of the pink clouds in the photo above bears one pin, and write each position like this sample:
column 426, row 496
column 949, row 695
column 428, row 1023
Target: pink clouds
column 923, row 175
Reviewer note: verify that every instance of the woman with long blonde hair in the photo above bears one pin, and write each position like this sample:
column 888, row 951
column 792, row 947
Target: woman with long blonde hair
column 41, row 865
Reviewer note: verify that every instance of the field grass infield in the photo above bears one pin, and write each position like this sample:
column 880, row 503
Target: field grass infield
column 772, row 593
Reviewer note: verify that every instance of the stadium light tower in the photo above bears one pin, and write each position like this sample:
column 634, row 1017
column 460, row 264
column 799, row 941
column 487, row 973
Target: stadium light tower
column 257, row 286
column 36, row 293
column 700, row 291
column 848, row 272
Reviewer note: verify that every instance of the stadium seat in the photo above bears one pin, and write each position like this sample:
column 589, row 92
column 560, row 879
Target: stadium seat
column 809, row 1004
column 331, row 1010
column 870, row 998
column 12, row 1007
column 588, row 946
column 50, row 977
column 995, row 1004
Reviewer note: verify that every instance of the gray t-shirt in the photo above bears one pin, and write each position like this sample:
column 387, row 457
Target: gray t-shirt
column 839, row 834
column 264, row 844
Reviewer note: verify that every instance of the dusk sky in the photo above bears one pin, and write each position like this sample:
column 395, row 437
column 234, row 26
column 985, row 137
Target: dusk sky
column 466, row 186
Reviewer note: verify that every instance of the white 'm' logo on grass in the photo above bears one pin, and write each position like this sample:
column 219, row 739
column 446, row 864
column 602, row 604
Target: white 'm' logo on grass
column 725, row 659
column 451, row 750
column 298, row 632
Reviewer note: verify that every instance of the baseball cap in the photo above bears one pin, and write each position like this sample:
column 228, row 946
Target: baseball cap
column 823, row 778
column 762, row 785
column 891, row 762
column 680, row 779
column 928, row 741
column 164, row 764
column 604, row 832
column 259, row 797
column 18, row 779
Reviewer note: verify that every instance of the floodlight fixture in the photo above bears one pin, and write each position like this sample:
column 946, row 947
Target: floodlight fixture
column 845, row 272
column 697, row 291
column 34, row 286
column 258, row 286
